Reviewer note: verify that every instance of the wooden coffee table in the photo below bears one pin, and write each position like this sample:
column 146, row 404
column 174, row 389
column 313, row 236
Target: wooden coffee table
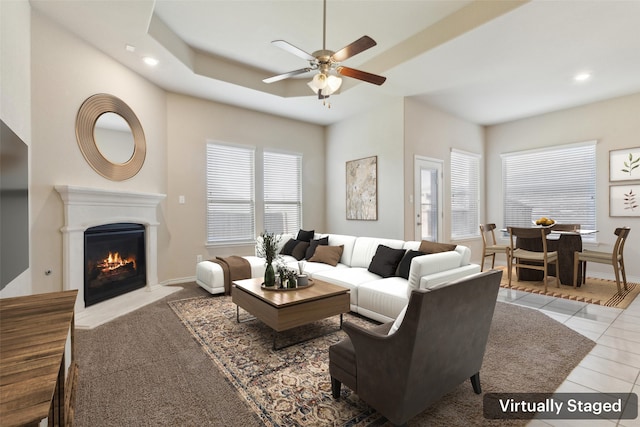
column 283, row 310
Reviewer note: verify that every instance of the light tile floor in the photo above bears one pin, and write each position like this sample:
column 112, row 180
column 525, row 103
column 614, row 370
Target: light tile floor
column 613, row 366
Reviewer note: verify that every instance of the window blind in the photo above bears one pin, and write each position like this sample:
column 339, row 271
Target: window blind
column 557, row 183
column 465, row 195
column 230, row 194
column 282, row 192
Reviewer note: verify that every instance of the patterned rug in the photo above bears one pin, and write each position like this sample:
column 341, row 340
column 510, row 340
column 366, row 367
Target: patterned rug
column 291, row 387
column 594, row 291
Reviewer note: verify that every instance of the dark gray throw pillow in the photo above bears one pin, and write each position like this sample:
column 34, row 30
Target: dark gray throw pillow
column 405, row 263
column 289, row 246
column 305, row 236
column 314, row 244
column 385, row 261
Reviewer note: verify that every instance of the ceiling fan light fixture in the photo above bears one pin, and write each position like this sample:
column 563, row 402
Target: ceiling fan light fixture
column 318, row 82
column 325, row 84
column 333, row 83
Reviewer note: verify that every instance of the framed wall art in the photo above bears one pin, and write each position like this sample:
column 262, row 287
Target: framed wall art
column 624, row 200
column 624, row 165
column 362, row 189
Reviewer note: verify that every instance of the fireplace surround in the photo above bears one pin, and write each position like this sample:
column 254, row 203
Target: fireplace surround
column 90, row 207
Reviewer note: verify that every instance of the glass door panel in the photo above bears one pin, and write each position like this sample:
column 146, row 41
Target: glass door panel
column 428, row 199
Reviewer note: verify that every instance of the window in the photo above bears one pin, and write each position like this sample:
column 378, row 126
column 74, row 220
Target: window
column 282, row 192
column 558, row 183
column 230, row 194
column 465, row 195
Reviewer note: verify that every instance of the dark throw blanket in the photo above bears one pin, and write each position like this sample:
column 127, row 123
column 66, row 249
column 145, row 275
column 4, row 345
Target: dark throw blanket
column 234, row 268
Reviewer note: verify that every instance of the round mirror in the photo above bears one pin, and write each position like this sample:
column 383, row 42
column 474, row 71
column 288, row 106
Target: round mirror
column 110, row 137
column 114, row 138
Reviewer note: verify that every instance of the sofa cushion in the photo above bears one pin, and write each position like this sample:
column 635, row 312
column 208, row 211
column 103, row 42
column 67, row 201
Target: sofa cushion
column 434, row 247
column 313, row 244
column 311, row 268
column 327, row 254
column 385, row 261
column 300, row 250
column 350, row 278
column 348, row 242
column 305, row 236
column 383, row 299
column 405, row 263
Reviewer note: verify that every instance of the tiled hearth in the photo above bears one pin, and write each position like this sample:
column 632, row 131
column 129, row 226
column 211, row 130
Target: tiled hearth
column 88, row 207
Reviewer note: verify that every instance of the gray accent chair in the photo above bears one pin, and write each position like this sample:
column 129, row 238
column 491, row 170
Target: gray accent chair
column 439, row 344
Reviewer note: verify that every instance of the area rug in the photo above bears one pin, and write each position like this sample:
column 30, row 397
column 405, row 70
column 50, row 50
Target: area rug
column 527, row 352
column 594, row 291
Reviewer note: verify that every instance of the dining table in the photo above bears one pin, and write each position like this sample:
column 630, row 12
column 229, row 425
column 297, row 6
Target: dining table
column 566, row 243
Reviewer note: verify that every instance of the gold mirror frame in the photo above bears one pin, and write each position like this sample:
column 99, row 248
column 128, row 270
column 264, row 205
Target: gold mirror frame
column 92, row 108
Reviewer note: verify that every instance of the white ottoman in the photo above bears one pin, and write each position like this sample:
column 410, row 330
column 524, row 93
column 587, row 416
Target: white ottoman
column 209, row 275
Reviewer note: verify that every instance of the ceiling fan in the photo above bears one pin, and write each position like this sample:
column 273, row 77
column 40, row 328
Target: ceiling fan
column 327, row 63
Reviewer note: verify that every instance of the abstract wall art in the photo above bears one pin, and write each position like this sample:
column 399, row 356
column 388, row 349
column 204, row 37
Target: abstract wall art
column 362, row 189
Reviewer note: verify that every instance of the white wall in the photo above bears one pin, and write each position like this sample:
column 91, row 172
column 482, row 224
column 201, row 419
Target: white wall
column 378, row 132
column 432, row 133
column 614, row 123
column 190, row 123
column 15, row 95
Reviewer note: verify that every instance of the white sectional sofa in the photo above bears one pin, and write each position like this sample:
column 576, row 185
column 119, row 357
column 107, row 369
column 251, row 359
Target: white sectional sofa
column 372, row 296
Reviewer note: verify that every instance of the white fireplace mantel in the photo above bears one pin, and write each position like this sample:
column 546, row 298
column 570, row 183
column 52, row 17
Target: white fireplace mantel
column 89, row 207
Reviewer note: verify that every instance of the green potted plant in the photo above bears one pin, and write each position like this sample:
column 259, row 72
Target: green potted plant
column 268, row 249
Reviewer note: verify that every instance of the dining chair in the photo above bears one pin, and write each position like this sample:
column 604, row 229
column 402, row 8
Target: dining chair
column 521, row 256
column 490, row 246
column 614, row 258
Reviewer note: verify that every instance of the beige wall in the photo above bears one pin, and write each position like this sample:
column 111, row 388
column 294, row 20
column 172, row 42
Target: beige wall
column 432, row 133
column 65, row 71
column 614, row 123
column 176, row 128
column 15, row 95
column 379, row 133
column 191, row 122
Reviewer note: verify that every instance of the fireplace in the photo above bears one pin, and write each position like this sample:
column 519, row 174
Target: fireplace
column 86, row 208
column 114, row 261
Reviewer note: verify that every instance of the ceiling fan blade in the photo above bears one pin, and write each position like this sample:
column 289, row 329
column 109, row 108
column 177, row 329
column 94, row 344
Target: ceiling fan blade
column 360, row 45
column 286, row 75
column 361, row 75
column 294, row 50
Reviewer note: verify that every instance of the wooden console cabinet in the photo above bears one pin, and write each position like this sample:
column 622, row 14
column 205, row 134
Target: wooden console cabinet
column 34, row 384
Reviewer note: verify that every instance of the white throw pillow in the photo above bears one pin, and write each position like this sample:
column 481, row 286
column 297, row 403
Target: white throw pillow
column 398, row 321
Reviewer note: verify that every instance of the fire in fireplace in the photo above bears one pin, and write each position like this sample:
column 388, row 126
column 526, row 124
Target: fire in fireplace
column 114, row 261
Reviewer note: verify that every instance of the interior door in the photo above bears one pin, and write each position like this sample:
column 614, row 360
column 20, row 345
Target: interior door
column 428, row 198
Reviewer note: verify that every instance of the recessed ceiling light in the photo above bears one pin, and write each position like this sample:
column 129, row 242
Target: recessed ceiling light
column 150, row 61
column 130, row 48
column 582, row 77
